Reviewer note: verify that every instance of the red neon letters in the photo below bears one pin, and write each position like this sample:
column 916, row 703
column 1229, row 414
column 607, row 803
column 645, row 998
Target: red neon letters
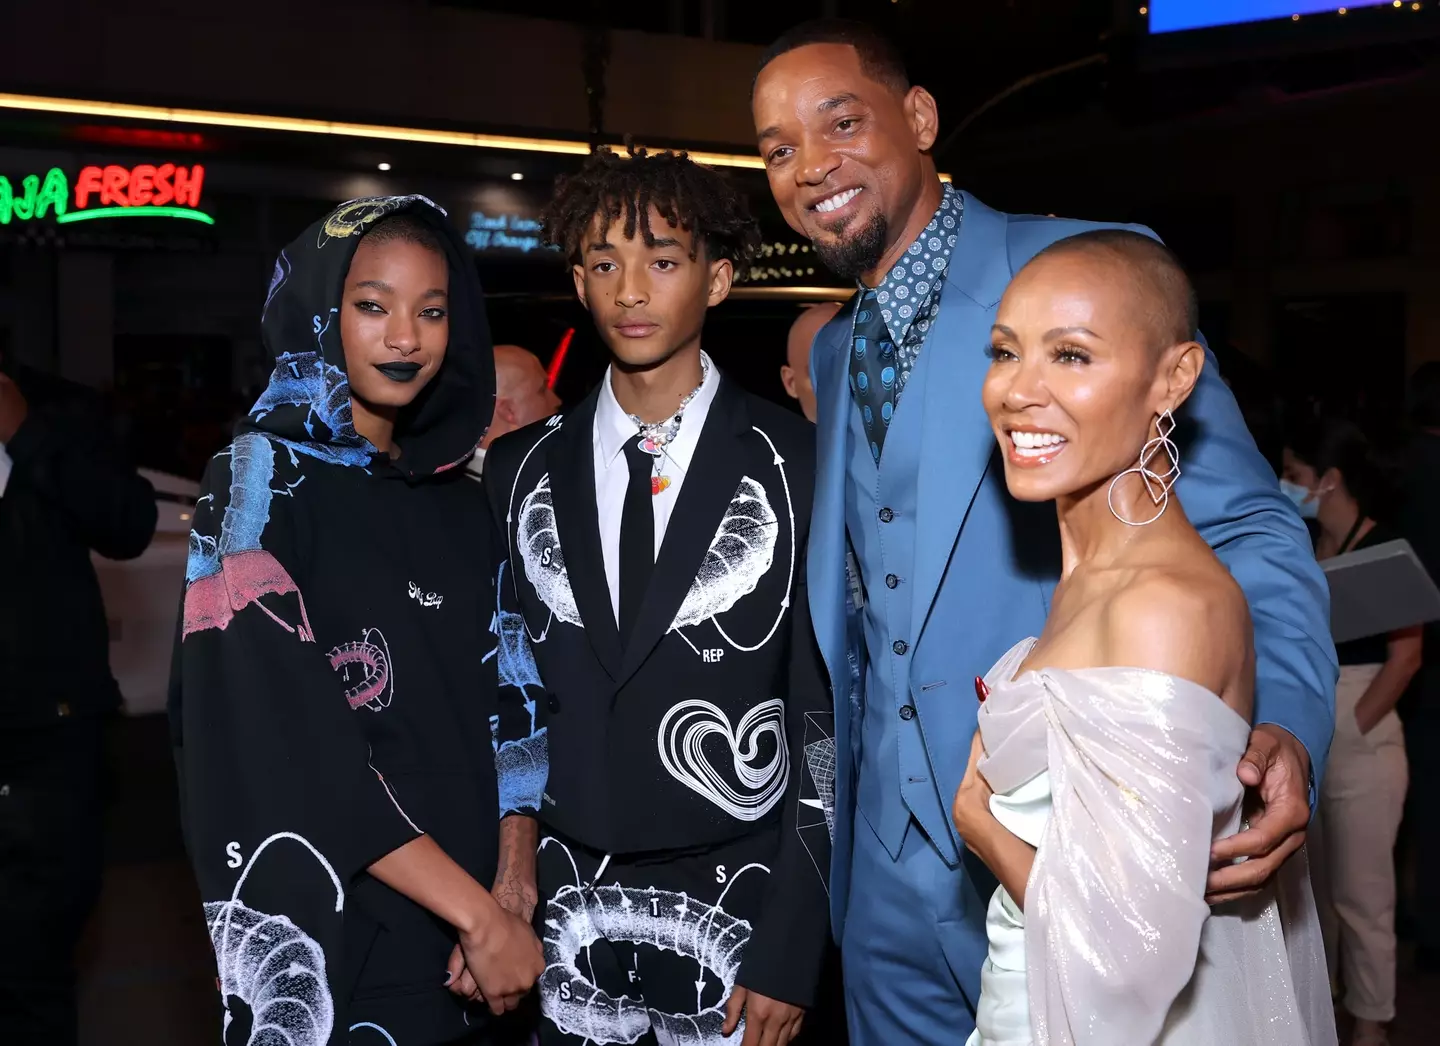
column 144, row 185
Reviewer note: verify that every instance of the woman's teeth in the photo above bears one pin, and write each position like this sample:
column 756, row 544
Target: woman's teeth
column 1035, row 444
column 837, row 201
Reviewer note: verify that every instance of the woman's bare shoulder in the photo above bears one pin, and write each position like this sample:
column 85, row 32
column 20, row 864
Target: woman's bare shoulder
column 1185, row 619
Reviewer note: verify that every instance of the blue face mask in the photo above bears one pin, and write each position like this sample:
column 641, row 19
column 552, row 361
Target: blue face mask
column 1308, row 507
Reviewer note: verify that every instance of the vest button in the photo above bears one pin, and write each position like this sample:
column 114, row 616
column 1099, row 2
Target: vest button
column 907, row 712
column 891, row 581
column 900, row 646
column 553, row 703
column 886, row 515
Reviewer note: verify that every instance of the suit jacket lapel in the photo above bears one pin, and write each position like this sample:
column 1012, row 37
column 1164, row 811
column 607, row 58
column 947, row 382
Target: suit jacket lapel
column 958, row 443
column 710, row 482
column 571, row 458
column 825, row 571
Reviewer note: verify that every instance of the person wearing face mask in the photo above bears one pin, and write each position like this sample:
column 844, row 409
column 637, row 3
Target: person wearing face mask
column 1332, row 478
column 335, row 672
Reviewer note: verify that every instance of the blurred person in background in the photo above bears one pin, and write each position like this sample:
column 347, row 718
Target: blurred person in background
column 1333, row 478
column 63, row 494
column 522, row 395
column 795, row 371
column 1419, row 521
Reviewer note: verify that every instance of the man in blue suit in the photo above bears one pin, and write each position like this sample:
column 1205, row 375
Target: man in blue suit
column 952, row 571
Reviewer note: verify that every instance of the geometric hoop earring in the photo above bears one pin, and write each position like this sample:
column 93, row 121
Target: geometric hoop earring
column 1157, row 484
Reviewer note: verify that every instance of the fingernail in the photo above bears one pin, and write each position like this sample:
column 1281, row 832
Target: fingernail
column 449, row 976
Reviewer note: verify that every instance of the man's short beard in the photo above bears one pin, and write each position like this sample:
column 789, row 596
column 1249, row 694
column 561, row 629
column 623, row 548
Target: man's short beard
column 854, row 256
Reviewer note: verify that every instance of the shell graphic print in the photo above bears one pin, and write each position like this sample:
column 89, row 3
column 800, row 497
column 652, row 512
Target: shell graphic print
column 522, row 765
column 541, row 553
column 369, row 659
column 578, row 916
column 304, row 380
column 740, row 554
column 354, row 216
column 223, row 576
column 273, row 966
column 742, row 550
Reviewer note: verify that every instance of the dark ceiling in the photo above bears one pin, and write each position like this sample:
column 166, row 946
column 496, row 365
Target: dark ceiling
column 968, row 52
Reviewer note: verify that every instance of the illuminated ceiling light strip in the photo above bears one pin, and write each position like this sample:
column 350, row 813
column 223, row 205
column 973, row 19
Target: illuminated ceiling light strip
column 300, row 125
column 135, row 212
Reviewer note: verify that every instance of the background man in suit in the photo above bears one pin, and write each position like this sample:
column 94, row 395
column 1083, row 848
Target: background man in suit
column 522, row 396
column 64, row 492
column 953, row 572
column 795, row 371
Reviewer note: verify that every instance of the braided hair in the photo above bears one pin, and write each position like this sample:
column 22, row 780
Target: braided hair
column 686, row 195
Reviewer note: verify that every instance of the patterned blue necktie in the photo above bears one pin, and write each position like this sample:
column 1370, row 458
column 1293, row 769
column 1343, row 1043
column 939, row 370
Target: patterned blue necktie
column 873, row 371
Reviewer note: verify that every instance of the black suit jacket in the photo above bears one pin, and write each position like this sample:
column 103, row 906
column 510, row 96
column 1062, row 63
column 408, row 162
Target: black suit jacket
column 694, row 732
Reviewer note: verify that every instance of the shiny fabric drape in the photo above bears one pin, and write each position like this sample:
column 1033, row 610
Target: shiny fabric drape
column 1119, row 945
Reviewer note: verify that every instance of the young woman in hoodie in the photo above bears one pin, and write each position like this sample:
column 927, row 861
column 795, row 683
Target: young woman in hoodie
column 336, row 671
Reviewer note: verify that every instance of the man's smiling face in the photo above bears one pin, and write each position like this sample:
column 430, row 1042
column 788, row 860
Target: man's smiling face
column 843, row 152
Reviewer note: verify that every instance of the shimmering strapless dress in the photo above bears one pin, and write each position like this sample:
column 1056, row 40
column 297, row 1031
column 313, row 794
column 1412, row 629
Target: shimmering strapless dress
column 1121, row 778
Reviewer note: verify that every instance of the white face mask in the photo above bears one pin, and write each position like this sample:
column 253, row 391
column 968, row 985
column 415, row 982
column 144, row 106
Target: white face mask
column 1306, row 501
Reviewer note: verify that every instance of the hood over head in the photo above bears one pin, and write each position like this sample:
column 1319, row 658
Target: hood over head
column 306, row 404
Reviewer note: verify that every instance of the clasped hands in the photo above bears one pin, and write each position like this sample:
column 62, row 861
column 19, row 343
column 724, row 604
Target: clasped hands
column 498, row 959
column 1275, row 771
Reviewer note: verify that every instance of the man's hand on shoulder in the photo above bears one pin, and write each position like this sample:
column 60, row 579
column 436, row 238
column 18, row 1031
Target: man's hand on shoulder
column 1276, row 770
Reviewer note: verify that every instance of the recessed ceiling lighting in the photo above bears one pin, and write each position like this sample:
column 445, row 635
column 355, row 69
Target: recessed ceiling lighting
column 384, row 166
column 517, row 177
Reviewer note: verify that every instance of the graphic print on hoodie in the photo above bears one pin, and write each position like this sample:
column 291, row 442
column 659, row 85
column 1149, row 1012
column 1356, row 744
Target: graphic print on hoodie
column 335, row 675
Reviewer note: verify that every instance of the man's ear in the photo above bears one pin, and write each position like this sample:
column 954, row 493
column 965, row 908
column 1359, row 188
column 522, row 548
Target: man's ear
column 722, row 276
column 787, row 378
column 578, row 271
column 924, row 117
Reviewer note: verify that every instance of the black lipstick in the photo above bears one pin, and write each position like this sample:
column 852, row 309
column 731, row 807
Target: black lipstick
column 399, row 371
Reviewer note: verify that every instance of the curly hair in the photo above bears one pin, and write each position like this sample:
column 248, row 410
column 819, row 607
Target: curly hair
column 687, row 195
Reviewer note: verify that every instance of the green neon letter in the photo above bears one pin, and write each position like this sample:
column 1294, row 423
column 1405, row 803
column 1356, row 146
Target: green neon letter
column 7, row 198
column 24, row 206
column 54, row 193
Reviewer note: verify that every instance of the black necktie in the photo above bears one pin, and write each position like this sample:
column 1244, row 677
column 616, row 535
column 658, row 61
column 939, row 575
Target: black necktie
column 637, row 537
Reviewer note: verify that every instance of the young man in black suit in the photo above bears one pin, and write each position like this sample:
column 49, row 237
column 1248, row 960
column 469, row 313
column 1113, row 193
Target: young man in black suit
column 656, row 571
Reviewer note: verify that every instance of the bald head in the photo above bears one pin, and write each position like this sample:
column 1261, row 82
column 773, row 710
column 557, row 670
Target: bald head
column 1164, row 290
column 522, row 392
column 795, row 374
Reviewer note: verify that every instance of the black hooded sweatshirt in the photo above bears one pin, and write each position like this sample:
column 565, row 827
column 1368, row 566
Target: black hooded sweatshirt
column 334, row 677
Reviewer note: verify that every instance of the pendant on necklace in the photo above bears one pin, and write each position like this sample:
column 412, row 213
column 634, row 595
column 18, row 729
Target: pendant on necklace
column 649, row 446
column 659, row 483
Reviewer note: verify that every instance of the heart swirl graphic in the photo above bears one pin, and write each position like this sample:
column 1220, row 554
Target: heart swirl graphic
column 681, row 740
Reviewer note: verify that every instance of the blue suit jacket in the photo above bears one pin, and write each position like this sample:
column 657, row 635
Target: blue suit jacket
column 985, row 565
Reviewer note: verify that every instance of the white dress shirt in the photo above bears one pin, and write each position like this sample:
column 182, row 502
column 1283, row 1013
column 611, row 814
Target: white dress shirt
column 5, row 465
column 475, row 467
column 613, row 428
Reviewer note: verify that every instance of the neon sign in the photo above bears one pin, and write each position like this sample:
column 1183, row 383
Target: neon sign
column 498, row 232
column 143, row 191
